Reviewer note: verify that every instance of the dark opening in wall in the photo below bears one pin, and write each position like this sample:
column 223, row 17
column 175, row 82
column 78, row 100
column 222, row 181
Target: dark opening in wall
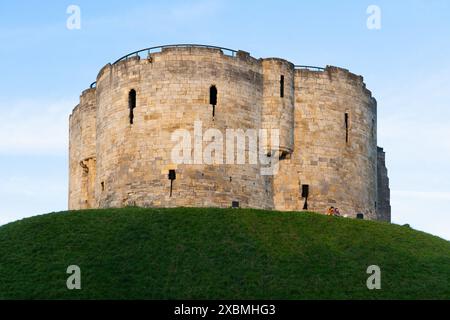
column 85, row 167
column 282, row 86
column 213, row 98
column 305, row 190
column 284, row 155
column 360, row 216
column 305, row 194
column 235, row 204
column 132, row 104
column 373, row 128
column 346, row 119
column 103, row 185
column 172, row 176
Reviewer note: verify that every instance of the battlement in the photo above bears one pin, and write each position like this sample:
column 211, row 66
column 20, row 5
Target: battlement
column 333, row 73
column 177, row 47
column 190, row 49
column 121, row 145
column 85, row 96
column 148, row 54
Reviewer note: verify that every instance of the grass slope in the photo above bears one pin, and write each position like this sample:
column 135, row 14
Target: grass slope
column 187, row 253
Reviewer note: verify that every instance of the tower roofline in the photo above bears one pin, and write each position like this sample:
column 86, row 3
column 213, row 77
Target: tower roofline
column 227, row 51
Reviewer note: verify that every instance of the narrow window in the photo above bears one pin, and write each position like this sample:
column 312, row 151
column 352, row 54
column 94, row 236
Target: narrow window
column 373, row 128
column 305, row 194
column 346, row 127
column 103, row 186
column 282, row 86
column 132, row 104
column 213, row 98
column 305, row 190
column 172, row 176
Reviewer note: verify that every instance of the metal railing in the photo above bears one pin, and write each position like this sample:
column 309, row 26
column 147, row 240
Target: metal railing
column 226, row 51
column 311, row 68
column 138, row 53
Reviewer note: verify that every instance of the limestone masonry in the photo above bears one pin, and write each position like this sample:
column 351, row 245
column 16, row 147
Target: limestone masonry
column 121, row 134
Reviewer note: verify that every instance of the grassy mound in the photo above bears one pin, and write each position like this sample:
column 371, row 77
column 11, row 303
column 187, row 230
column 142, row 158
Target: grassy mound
column 186, row 253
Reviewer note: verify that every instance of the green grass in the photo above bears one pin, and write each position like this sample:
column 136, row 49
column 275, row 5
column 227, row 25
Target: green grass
column 186, row 253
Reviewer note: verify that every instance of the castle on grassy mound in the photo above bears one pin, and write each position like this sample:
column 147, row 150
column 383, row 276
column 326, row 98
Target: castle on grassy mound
column 129, row 125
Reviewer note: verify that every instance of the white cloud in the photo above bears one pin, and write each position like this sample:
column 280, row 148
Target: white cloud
column 24, row 194
column 35, row 127
column 20, row 185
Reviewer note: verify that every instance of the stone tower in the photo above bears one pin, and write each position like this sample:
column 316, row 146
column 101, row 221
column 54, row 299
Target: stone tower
column 121, row 134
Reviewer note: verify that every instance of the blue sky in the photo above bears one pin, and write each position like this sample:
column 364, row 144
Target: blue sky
column 405, row 64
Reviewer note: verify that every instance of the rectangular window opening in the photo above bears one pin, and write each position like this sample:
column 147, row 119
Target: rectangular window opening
column 282, row 86
column 346, row 119
column 305, row 190
column 305, row 194
column 213, row 99
column 373, row 128
column 131, row 104
column 172, row 176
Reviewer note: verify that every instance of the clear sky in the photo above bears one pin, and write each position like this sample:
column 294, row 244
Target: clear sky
column 406, row 64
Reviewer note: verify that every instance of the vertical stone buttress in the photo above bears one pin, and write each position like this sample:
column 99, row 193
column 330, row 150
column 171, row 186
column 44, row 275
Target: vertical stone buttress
column 82, row 154
column 278, row 113
column 278, row 101
column 383, row 203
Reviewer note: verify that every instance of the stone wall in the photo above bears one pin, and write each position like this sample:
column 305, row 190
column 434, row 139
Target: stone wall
column 115, row 163
column 172, row 93
column 384, row 193
column 278, row 100
column 336, row 160
column 82, row 152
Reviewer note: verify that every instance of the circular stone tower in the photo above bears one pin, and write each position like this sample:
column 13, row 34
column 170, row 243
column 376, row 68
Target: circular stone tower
column 173, row 90
column 208, row 106
column 336, row 140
